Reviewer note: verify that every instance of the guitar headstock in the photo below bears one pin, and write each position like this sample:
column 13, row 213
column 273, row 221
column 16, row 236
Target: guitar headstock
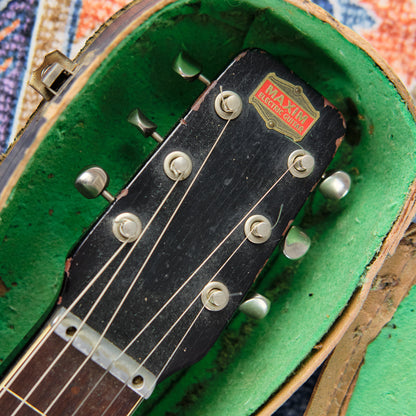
column 177, row 250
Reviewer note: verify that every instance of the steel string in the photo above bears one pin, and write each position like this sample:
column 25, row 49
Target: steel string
column 56, row 324
column 115, row 274
column 60, row 319
column 132, row 284
column 181, row 287
column 160, row 341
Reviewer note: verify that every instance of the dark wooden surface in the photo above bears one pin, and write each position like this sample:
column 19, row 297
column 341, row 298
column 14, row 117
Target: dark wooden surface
column 243, row 167
column 74, row 394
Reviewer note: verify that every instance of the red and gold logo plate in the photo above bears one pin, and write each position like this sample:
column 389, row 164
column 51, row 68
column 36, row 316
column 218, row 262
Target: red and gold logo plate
column 284, row 107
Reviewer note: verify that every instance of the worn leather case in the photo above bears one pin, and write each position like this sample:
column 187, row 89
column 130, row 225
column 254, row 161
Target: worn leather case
column 390, row 360
column 254, row 366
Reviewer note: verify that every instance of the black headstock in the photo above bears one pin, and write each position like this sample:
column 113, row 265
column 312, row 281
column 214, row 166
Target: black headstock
column 206, row 237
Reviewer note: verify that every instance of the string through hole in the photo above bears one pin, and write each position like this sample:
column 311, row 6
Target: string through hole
column 138, row 381
column 70, row 331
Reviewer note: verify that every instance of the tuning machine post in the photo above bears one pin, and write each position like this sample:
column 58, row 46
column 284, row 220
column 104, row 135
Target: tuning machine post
column 296, row 244
column 144, row 125
column 336, row 185
column 189, row 69
column 93, row 182
column 300, row 163
column 257, row 306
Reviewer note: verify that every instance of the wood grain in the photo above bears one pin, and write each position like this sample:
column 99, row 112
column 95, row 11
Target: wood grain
column 95, row 405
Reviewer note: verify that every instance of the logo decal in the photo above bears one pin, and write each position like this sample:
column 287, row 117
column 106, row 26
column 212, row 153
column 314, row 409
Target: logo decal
column 284, row 107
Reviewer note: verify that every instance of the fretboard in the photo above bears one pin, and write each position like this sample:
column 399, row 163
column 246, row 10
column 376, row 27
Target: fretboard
column 81, row 398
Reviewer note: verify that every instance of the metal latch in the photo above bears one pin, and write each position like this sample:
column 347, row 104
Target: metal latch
column 55, row 70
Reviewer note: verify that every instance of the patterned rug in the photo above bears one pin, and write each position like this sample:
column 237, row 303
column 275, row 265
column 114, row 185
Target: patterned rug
column 28, row 30
column 31, row 28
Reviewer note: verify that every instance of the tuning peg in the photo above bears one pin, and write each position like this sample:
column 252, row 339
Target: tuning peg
column 147, row 127
column 296, row 244
column 256, row 307
column 189, row 69
column 336, row 186
column 92, row 183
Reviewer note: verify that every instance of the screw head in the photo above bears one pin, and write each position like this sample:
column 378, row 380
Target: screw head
column 127, row 227
column 300, row 163
column 215, row 296
column 177, row 165
column 228, row 105
column 257, row 229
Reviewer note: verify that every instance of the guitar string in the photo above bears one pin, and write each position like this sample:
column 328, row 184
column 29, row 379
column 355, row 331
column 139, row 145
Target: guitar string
column 178, row 346
column 227, row 109
column 167, row 363
column 60, row 319
column 266, row 195
column 28, row 404
column 85, row 290
column 160, row 341
column 115, row 274
column 136, row 405
column 187, row 281
column 120, row 250
column 124, row 351
column 133, row 283
column 170, row 330
column 243, row 240
column 192, row 324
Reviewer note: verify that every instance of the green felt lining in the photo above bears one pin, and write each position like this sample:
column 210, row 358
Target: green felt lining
column 45, row 216
column 387, row 380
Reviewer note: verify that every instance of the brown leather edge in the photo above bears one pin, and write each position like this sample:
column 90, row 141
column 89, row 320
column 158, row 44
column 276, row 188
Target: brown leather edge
column 346, row 401
column 329, row 342
column 337, row 380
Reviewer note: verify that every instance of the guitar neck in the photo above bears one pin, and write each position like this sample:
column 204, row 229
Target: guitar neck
column 217, row 196
column 110, row 397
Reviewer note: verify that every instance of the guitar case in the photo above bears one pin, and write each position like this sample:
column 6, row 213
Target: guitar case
column 255, row 365
column 371, row 370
